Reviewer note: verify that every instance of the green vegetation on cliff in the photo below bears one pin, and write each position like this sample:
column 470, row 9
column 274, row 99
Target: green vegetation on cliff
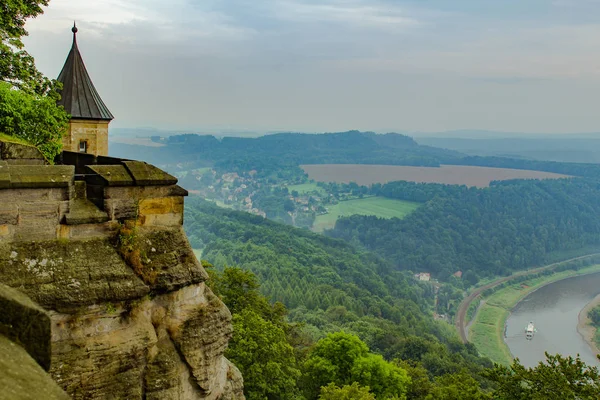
column 28, row 107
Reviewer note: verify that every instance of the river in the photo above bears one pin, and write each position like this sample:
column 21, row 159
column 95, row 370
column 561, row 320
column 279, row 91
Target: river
column 554, row 309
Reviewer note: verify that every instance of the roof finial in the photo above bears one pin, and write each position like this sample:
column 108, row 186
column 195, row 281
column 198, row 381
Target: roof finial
column 74, row 28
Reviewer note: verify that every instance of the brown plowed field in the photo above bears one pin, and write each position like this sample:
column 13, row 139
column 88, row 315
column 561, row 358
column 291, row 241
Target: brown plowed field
column 450, row 174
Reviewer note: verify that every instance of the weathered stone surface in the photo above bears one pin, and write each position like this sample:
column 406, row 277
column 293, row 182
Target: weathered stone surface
column 168, row 253
column 41, row 176
column 25, row 323
column 9, row 213
column 110, row 175
column 30, row 195
column 64, row 275
column 9, row 150
column 83, row 211
column 22, row 378
column 4, row 175
column 133, row 349
column 202, row 339
column 148, row 175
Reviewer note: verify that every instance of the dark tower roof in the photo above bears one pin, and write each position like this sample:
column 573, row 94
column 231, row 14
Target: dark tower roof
column 78, row 95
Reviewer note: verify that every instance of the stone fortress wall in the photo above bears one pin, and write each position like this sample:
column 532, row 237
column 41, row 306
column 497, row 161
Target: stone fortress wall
column 97, row 245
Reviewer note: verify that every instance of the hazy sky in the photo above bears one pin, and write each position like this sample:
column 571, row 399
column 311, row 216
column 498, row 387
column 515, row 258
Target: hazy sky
column 327, row 65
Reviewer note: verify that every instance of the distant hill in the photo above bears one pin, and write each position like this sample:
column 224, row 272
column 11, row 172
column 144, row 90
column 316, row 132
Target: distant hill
column 563, row 148
column 352, row 147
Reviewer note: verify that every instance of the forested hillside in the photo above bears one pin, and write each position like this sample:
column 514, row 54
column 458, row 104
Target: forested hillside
column 355, row 328
column 285, row 149
column 482, row 232
column 328, row 286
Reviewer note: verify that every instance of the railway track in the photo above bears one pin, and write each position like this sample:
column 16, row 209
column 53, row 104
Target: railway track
column 464, row 305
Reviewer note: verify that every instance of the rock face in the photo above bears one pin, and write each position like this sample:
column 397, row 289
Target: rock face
column 25, row 349
column 131, row 315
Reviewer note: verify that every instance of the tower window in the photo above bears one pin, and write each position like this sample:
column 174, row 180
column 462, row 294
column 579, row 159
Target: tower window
column 83, row 146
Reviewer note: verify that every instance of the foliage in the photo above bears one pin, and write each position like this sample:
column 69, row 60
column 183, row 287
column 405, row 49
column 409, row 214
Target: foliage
column 459, row 386
column 342, row 359
column 17, row 67
column 557, row 378
column 320, row 275
column 510, row 226
column 594, row 315
column 328, row 286
column 347, row 392
column 33, row 118
column 129, row 248
column 260, row 346
column 28, row 107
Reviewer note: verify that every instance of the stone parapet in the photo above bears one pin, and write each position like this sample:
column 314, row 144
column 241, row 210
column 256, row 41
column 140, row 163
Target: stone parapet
column 82, row 196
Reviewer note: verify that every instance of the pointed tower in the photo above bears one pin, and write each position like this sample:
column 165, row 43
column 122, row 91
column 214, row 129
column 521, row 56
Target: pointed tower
column 88, row 127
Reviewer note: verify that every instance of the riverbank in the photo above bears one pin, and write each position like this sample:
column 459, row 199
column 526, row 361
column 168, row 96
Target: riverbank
column 585, row 327
column 488, row 327
column 466, row 304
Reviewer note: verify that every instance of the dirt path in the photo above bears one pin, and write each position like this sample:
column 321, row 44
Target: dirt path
column 464, row 305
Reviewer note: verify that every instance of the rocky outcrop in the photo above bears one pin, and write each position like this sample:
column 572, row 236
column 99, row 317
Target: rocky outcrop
column 25, row 349
column 115, row 336
column 106, row 261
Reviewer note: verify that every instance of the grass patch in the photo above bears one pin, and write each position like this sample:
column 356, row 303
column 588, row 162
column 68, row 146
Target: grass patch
column 487, row 330
column 379, row 206
column 488, row 339
column 13, row 139
column 306, row 188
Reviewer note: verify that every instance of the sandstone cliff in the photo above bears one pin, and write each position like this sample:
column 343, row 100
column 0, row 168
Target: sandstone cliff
column 98, row 243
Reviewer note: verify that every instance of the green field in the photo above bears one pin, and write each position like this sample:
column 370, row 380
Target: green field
column 487, row 330
column 306, row 188
column 378, row 206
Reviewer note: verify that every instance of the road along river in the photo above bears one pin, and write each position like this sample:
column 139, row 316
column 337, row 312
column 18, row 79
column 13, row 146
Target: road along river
column 554, row 309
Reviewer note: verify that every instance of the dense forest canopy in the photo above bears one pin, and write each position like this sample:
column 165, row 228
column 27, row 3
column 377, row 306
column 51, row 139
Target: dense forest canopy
column 509, row 226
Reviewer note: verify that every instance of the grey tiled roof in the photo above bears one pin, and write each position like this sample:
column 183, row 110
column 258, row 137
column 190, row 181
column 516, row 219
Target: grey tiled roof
column 79, row 97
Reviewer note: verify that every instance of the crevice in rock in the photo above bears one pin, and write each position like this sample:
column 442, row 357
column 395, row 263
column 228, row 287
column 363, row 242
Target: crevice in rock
column 192, row 380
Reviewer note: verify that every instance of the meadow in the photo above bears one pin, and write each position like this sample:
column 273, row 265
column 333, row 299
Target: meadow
column 448, row 174
column 377, row 206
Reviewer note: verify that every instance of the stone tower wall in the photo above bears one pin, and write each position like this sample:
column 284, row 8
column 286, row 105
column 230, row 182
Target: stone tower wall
column 95, row 133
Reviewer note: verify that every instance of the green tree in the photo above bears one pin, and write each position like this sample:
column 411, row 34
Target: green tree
column 342, row 359
column 33, row 118
column 17, row 67
column 260, row 346
column 557, row 378
column 28, row 107
column 459, row 386
column 266, row 360
column 348, row 392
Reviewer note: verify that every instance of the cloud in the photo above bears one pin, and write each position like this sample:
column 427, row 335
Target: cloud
column 161, row 21
column 364, row 14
